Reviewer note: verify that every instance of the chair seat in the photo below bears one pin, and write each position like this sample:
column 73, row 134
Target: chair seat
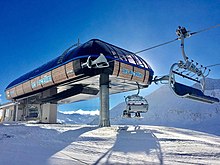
column 192, row 93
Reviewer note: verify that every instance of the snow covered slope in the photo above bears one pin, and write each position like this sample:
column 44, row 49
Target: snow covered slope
column 165, row 109
column 168, row 110
column 77, row 117
column 35, row 144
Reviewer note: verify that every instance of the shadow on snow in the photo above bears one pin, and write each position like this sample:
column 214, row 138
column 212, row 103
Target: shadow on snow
column 35, row 147
column 133, row 141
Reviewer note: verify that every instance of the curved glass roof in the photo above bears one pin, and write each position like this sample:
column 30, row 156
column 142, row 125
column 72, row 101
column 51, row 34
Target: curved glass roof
column 91, row 48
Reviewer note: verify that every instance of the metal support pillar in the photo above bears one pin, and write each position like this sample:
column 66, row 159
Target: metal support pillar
column 104, row 100
column 16, row 113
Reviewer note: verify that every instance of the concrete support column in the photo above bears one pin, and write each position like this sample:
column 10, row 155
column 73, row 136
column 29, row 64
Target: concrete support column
column 4, row 113
column 104, row 100
column 16, row 112
column 49, row 113
column 2, row 117
column 49, row 110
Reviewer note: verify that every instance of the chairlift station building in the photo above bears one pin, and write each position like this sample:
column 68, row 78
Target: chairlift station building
column 93, row 69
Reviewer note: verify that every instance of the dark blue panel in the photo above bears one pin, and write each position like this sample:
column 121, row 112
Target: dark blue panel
column 182, row 90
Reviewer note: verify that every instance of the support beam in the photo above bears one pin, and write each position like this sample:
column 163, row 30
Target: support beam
column 16, row 112
column 104, row 100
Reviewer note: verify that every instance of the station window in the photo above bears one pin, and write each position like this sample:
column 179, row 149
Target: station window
column 144, row 64
column 112, row 51
column 131, row 59
column 121, row 54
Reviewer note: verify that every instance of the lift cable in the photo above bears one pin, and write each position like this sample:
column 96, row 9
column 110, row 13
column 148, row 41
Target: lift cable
column 162, row 44
column 168, row 42
column 209, row 66
column 206, row 29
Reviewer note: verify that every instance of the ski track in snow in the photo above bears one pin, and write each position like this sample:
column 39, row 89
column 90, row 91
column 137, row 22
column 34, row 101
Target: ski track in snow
column 44, row 144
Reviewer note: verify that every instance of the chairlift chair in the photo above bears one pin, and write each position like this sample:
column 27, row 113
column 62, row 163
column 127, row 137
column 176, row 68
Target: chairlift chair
column 191, row 71
column 135, row 104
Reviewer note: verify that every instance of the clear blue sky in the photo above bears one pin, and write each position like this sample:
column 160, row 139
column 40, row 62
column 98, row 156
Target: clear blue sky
column 33, row 32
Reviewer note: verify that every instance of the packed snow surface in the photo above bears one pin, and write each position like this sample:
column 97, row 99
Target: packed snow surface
column 58, row 144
